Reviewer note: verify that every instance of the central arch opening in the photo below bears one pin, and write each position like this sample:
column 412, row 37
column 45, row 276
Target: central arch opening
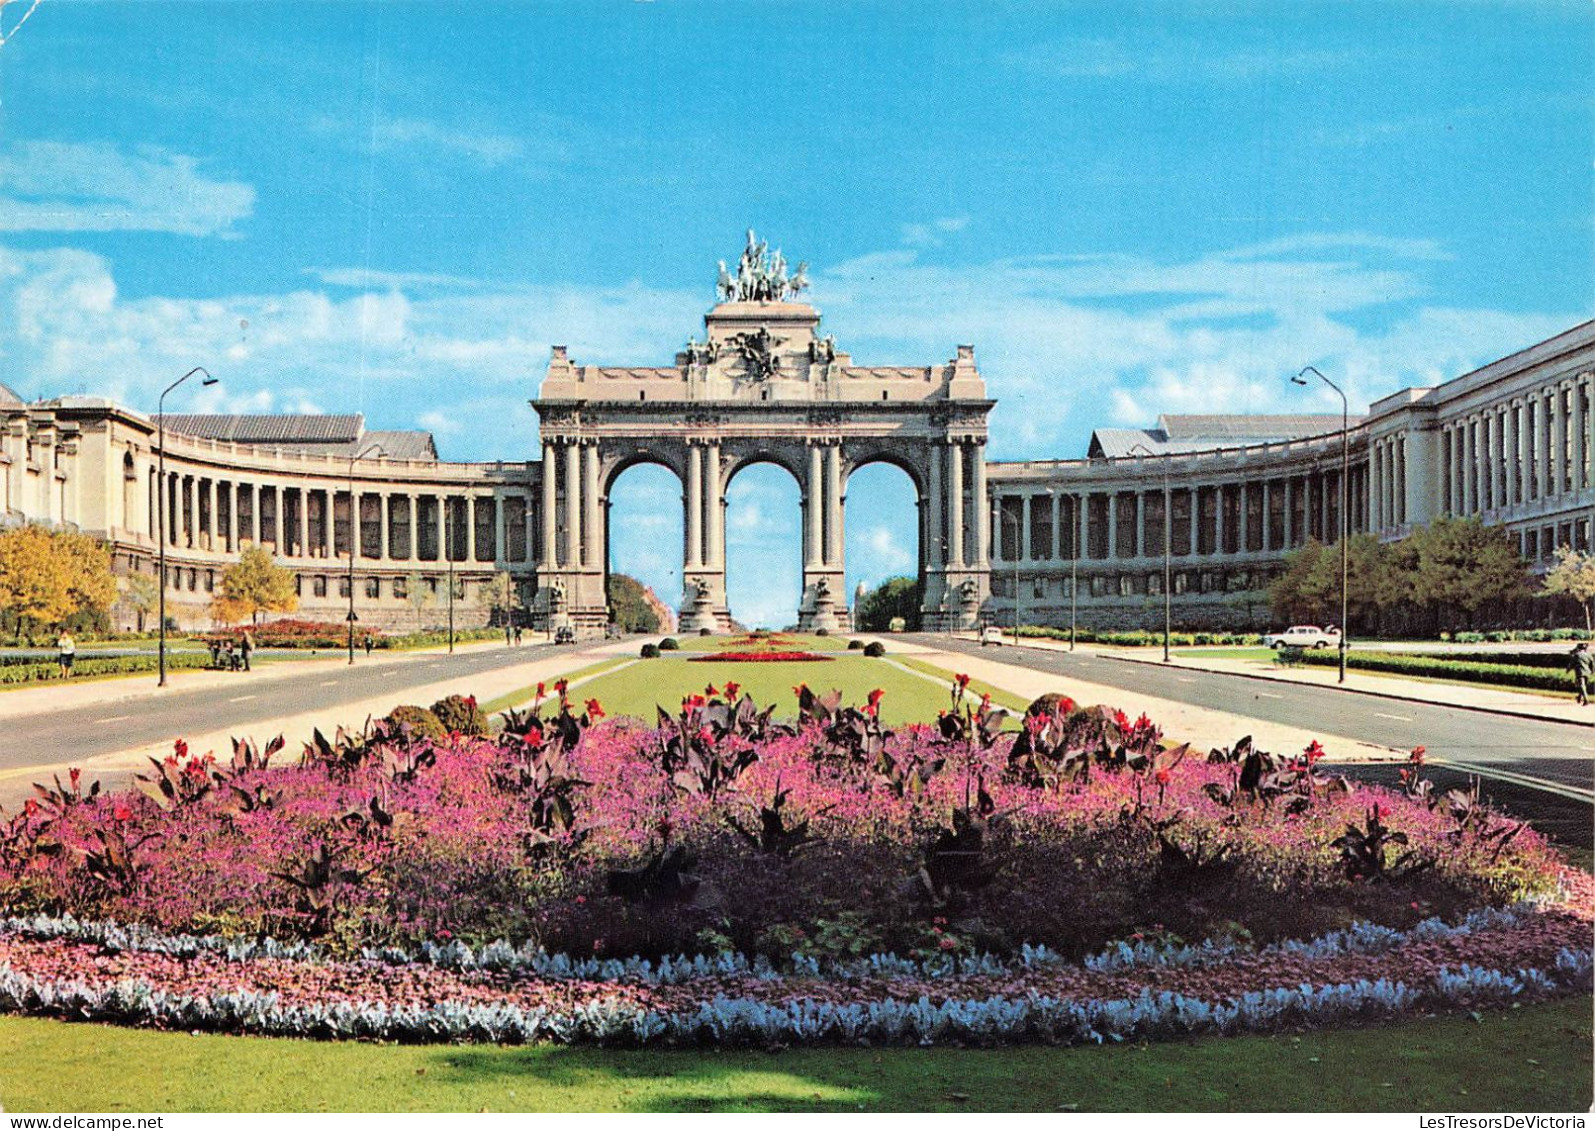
column 764, row 550
column 644, row 542
column 882, row 541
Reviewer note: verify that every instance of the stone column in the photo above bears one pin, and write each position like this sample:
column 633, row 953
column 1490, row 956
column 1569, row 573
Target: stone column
column 211, row 528
column 501, row 547
column 1057, row 552
column 1113, row 525
column 1469, row 467
column 814, row 523
column 715, row 519
column 413, row 511
column 1290, row 531
column 232, row 516
column 304, row 523
column 982, row 506
column 1024, row 528
column 1497, row 458
column 1242, row 524
column 550, row 501
column 833, row 505
column 191, row 511
column 470, row 527
column 1581, row 437
column 955, row 488
column 1547, row 474
column 694, row 523
column 1218, row 519
column 1559, row 441
column 1525, row 448
column 573, row 504
column 329, row 523
column 593, row 500
column 1267, row 514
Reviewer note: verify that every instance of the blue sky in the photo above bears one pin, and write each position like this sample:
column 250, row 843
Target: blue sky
column 396, row 208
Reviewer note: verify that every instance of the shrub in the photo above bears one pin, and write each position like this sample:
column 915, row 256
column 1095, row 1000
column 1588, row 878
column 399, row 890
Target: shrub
column 822, row 632
column 854, row 645
column 40, row 672
column 459, row 714
column 650, row 652
column 422, row 722
column 668, row 644
column 875, row 649
column 706, row 632
column 1397, row 663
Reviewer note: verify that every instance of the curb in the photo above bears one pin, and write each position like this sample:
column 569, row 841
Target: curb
column 1356, row 691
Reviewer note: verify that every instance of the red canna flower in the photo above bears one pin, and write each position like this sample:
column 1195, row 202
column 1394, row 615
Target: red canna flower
column 731, row 689
column 873, row 707
column 121, row 812
column 180, row 748
column 1162, row 777
column 711, row 691
column 800, row 689
column 74, row 773
column 541, row 691
column 1314, row 751
column 595, row 710
column 1416, row 757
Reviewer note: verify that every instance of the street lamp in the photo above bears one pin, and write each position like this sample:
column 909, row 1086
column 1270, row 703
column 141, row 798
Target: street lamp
column 1168, row 537
column 160, row 480
column 1345, row 468
column 354, row 535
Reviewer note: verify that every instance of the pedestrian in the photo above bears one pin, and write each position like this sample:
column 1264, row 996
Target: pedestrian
column 246, row 649
column 215, row 647
column 368, row 644
column 1582, row 661
column 517, row 636
column 66, row 651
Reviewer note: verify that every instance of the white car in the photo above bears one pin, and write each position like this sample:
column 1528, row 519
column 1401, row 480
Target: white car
column 991, row 634
column 1303, row 636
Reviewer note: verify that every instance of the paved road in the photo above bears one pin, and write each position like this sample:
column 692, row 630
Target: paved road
column 1554, row 752
column 107, row 728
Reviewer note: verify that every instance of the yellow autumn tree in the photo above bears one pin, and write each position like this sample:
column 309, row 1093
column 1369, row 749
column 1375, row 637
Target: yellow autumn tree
column 253, row 585
column 48, row 577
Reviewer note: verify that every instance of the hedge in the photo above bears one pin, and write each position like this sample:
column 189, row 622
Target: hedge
column 1402, row 663
column 1141, row 638
column 49, row 670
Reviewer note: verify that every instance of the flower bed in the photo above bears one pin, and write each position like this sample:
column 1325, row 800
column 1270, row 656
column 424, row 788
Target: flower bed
column 756, row 657
column 795, row 854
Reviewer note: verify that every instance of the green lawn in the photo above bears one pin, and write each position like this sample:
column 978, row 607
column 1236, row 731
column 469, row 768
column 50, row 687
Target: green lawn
column 665, row 681
column 1532, row 1059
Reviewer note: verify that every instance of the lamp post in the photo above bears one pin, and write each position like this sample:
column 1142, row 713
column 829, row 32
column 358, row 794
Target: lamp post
column 354, row 535
column 160, row 480
column 1168, row 532
column 1345, row 468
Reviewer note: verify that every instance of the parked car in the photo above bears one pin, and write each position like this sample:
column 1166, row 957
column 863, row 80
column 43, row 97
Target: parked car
column 565, row 634
column 991, row 634
column 1303, row 636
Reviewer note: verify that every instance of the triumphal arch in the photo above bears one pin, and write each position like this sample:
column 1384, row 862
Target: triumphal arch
column 763, row 386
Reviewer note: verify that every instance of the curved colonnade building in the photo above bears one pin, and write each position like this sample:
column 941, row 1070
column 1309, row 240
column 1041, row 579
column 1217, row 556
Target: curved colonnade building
column 1510, row 442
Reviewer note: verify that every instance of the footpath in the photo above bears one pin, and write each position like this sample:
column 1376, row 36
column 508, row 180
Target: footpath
column 1202, row 727
column 1500, row 701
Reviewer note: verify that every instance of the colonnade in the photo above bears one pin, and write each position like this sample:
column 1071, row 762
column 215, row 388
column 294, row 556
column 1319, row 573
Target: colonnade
column 1061, row 520
column 573, row 519
column 1519, row 450
column 305, row 522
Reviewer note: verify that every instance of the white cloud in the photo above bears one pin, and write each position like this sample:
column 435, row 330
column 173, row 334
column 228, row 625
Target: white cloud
column 1067, row 343
column 929, row 235
column 98, row 187
column 486, row 149
column 1165, row 60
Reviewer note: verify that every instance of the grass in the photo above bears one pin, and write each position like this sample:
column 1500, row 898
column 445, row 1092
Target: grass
column 1536, row 1058
column 527, row 694
column 910, row 697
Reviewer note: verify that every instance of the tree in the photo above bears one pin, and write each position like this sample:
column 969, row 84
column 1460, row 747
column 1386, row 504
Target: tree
column 629, row 606
column 501, row 596
column 1463, row 564
column 253, row 585
column 418, row 593
column 1299, row 595
column 142, row 595
column 892, row 598
column 48, row 577
column 1573, row 576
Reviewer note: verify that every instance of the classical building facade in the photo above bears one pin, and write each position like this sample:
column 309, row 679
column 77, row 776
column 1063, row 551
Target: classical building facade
column 1040, row 540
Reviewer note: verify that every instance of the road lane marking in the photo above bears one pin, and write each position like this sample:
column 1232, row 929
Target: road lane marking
column 114, row 719
column 1268, row 695
column 1398, row 718
column 1184, row 679
column 242, row 699
column 330, row 683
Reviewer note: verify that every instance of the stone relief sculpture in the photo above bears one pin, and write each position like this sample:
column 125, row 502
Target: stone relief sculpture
column 968, row 591
column 822, row 351
column 758, row 353
column 761, row 276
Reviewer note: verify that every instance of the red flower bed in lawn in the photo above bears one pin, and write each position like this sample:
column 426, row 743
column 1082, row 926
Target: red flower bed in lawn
column 754, row 657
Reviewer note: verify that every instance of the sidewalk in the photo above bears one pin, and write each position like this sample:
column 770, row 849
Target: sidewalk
column 1501, row 701
column 90, row 691
column 1203, row 728
column 115, row 769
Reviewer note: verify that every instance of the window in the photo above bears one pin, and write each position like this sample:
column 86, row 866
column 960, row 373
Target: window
column 1099, row 586
column 1039, row 590
column 1182, row 583
column 299, row 585
column 1126, row 585
column 432, row 586
column 210, row 581
column 401, row 588
column 343, row 586
column 373, row 587
column 319, row 587
column 1154, row 584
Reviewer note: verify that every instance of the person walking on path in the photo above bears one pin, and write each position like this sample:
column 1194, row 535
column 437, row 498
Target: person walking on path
column 1582, row 661
column 368, row 644
column 66, row 650
column 246, row 649
column 517, row 636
